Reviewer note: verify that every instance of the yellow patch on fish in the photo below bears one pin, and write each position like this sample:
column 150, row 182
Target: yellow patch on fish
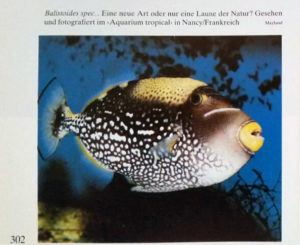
column 204, row 97
column 173, row 91
column 123, row 85
column 102, row 95
column 69, row 113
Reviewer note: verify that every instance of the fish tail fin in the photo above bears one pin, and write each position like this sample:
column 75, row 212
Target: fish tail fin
column 54, row 117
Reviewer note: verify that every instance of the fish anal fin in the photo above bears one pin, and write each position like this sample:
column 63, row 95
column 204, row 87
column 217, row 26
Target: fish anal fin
column 139, row 188
column 93, row 160
column 156, row 189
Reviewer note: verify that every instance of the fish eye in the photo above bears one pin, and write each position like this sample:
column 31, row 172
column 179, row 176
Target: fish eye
column 196, row 99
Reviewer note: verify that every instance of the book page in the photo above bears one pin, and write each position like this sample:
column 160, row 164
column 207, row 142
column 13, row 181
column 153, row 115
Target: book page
column 161, row 122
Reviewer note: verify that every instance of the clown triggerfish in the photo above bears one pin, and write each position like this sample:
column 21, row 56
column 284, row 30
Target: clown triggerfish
column 162, row 134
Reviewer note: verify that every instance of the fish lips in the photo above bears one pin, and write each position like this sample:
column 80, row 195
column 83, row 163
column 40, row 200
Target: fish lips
column 233, row 127
column 250, row 137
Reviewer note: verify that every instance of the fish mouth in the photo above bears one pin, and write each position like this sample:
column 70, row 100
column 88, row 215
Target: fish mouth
column 250, row 137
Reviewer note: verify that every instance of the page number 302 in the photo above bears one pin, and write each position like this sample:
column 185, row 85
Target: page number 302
column 17, row 240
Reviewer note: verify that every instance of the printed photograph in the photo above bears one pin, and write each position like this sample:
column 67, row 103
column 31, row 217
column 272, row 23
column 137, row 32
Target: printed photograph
column 159, row 139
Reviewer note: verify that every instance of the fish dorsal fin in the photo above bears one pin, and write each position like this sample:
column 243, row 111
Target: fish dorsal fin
column 103, row 94
column 174, row 91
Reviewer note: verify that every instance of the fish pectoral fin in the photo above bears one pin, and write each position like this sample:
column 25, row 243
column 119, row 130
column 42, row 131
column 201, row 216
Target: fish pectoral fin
column 164, row 147
column 171, row 145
